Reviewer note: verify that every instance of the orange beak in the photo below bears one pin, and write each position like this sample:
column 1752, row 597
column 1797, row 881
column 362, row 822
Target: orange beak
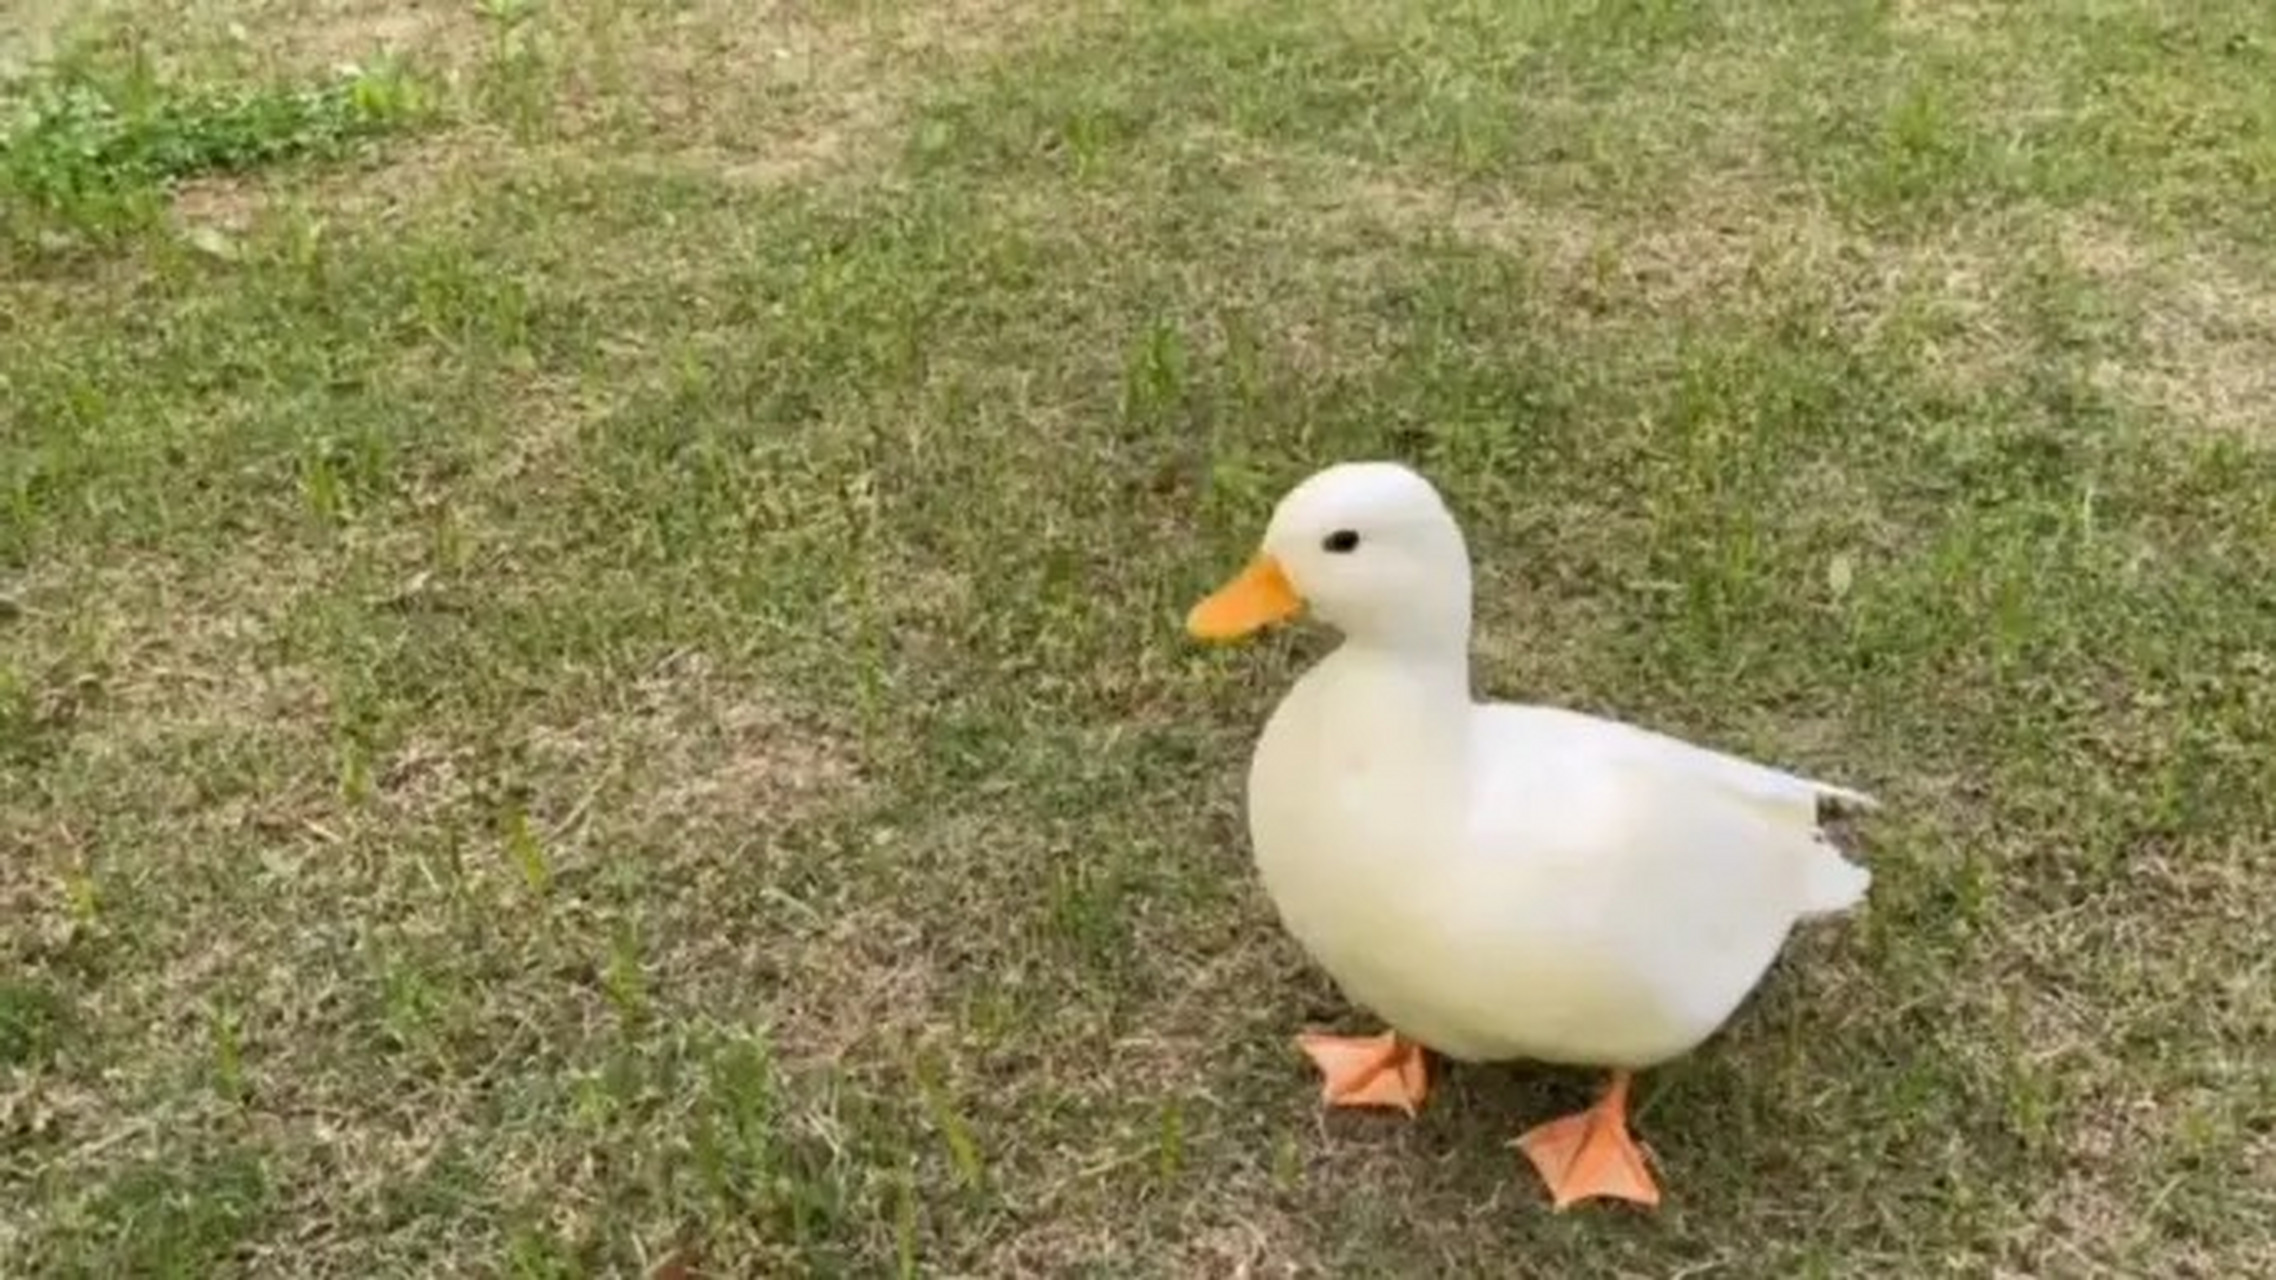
column 1258, row 597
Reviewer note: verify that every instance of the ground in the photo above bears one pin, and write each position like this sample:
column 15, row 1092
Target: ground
column 590, row 669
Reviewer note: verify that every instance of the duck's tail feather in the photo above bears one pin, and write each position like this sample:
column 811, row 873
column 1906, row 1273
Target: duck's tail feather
column 1832, row 883
column 1842, row 799
column 1800, row 809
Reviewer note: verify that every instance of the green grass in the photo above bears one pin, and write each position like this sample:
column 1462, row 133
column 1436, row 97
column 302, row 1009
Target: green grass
column 606, row 679
column 94, row 149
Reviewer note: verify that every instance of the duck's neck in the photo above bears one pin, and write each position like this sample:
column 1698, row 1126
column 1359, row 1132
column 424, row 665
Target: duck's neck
column 1431, row 666
column 1414, row 698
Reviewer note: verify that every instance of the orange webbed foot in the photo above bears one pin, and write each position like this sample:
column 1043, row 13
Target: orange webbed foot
column 1590, row 1154
column 1368, row 1071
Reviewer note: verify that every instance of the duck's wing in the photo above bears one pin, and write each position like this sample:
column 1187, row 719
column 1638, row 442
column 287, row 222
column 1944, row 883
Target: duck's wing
column 1588, row 774
column 1761, row 782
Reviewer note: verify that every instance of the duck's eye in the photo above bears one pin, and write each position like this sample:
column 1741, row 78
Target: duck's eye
column 1341, row 541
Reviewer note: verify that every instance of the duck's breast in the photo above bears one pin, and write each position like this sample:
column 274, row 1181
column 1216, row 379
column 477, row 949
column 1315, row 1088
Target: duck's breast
column 1356, row 812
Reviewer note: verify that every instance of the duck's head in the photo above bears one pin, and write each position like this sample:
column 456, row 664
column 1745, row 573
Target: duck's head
column 1372, row 550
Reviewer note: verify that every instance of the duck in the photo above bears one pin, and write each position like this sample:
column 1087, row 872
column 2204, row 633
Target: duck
column 1493, row 880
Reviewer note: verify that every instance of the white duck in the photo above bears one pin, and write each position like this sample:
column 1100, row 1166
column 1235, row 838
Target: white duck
column 1494, row 880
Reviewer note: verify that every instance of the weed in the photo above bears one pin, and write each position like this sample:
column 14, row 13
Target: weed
column 94, row 152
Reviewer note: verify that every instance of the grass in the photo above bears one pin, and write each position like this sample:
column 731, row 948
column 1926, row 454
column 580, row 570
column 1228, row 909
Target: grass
column 97, row 149
column 589, row 669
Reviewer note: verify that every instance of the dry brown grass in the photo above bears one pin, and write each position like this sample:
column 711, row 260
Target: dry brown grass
column 774, row 96
column 1724, row 243
column 31, row 30
column 2207, row 350
column 2206, row 356
column 778, row 93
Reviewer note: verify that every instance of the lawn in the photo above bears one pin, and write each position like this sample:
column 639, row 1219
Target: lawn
column 590, row 657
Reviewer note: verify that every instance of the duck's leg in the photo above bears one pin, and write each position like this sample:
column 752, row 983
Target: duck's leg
column 1590, row 1153
column 1368, row 1071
